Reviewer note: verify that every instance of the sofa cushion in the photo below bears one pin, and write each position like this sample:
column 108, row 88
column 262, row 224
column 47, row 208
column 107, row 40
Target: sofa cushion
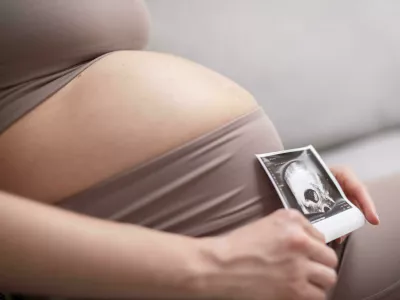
column 326, row 71
column 371, row 157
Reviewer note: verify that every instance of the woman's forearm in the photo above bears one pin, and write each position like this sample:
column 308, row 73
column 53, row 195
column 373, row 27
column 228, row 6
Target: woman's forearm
column 46, row 250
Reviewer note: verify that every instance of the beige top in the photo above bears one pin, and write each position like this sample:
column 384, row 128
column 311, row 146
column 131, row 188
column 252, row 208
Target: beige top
column 45, row 44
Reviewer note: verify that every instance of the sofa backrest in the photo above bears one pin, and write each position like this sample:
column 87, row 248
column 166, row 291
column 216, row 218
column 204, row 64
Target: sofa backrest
column 326, row 71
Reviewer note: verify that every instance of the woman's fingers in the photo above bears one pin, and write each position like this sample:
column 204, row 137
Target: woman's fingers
column 321, row 276
column 321, row 254
column 366, row 204
column 311, row 292
column 357, row 192
column 342, row 239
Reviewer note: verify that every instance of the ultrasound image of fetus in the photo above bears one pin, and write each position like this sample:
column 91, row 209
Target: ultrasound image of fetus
column 308, row 189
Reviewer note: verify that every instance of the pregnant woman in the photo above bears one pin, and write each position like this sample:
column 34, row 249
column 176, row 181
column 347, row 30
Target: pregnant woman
column 130, row 174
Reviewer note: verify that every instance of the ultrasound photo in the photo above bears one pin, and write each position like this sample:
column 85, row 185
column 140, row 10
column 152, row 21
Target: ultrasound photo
column 302, row 182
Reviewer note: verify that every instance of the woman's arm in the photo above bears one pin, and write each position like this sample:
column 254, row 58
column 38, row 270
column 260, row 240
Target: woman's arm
column 45, row 250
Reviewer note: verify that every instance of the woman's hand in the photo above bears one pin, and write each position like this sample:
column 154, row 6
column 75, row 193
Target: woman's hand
column 357, row 193
column 279, row 257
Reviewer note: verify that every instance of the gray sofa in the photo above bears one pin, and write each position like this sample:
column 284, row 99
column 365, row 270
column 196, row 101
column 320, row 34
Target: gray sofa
column 326, row 71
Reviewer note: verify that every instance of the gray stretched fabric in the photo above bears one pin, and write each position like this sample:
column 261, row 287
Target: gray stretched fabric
column 45, row 44
column 208, row 186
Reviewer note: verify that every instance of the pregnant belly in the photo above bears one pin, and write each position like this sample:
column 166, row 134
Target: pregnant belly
column 126, row 109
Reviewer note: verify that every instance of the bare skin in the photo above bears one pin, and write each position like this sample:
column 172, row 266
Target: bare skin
column 105, row 120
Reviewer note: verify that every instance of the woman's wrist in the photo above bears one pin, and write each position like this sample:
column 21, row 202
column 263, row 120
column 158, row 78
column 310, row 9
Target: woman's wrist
column 208, row 275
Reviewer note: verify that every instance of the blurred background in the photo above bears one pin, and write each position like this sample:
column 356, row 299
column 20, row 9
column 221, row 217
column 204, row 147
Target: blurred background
column 326, row 72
